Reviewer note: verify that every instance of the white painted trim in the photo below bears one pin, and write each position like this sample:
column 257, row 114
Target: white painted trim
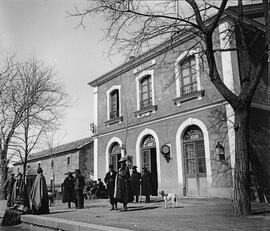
column 107, row 157
column 145, row 132
column 231, row 134
column 177, row 70
column 95, row 105
column 95, row 158
column 138, row 78
column 164, row 119
column 226, row 57
column 108, row 92
column 179, row 150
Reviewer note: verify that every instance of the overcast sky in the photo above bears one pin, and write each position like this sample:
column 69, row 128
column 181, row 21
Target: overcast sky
column 43, row 28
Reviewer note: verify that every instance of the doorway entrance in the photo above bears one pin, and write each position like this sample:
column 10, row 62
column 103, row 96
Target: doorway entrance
column 149, row 160
column 194, row 161
column 115, row 155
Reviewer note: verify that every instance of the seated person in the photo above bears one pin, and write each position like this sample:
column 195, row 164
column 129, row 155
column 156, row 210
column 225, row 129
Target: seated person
column 101, row 190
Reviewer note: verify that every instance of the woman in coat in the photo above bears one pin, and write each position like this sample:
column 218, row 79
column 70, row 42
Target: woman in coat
column 110, row 182
column 122, row 192
column 146, row 184
column 69, row 191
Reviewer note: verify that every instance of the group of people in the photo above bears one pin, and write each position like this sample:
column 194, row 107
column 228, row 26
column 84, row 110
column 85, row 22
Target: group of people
column 95, row 190
column 122, row 187
column 73, row 189
column 18, row 200
column 125, row 188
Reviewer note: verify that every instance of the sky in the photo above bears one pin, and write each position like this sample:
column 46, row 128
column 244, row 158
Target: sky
column 43, row 28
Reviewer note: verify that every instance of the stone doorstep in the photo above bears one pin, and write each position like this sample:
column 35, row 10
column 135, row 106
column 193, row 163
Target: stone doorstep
column 62, row 224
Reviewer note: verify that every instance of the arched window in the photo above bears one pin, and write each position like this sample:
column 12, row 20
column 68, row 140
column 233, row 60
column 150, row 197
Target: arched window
column 147, row 144
column 146, row 91
column 114, row 105
column 194, row 152
column 115, row 155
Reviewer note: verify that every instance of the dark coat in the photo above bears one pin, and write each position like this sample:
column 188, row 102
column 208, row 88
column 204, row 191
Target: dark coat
column 39, row 196
column 122, row 192
column 135, row 183
column 8, row 185
column 146, row 183
column 19, row 189
column 69, row 192
column 79, row 183
column 110, row 182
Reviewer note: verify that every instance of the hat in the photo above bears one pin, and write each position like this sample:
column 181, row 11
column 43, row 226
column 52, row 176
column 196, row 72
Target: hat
column 144, row 168
column 110, row 166
column 39, row 170
column 134, row 167
column 123, row 159
column 12, row 174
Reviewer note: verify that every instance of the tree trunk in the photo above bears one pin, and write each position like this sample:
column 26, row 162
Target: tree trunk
column 3, row 173
column 241, row 187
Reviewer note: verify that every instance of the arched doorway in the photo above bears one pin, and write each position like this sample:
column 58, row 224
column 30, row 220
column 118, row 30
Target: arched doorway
column 194, row 162
column 149, row 160
column 115, row 155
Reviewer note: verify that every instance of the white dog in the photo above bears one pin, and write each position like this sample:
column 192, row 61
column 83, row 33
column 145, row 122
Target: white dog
column 169, row 196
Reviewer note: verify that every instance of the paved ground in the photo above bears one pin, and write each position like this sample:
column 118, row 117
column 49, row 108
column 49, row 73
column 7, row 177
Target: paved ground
column 191, row 214
column 23, row 227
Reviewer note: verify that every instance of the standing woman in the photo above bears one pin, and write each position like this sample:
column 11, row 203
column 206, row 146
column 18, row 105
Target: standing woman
column 110, row 182
column 122, row 192
column 146, row 184
column 39, row 194
column 20, row 203
column 69, row 191
column 135, row 183
column 19, row 188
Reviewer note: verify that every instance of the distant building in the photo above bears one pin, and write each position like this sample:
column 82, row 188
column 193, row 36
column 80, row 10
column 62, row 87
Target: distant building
column 60, row 160
column 161, row 110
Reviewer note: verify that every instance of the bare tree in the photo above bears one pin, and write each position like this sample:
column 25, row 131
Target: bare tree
column 40, row 101
column 136, row 25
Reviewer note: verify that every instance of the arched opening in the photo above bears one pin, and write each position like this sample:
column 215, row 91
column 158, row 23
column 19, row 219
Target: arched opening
column 149, row 160
column 115, row 155
column 194, row 162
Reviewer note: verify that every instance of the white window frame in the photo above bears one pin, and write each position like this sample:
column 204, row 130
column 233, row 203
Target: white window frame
column 178, row 81
column 108, row 93
column 138, row 86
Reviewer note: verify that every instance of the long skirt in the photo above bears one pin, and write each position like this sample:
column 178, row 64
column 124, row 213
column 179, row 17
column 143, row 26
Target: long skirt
column 44, row 209
column 11, row 217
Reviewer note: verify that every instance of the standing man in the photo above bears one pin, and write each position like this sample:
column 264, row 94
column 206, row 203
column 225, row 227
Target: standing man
column 135, row 183
column 69, row 192
column 122, row 191
column 79, row 186
column 8, row 187
column 110, row 182
column 39, row 194
column 146, row 184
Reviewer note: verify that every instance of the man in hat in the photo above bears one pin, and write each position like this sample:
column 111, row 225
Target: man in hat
column 135, row 183
column 79, row 187
column 110, row 182
column 39, row 194
column 69, row 192
column 122, row 192
column 146, row 184
column 8, row 188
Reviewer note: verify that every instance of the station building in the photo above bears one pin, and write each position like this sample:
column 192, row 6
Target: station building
column 161, row 111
